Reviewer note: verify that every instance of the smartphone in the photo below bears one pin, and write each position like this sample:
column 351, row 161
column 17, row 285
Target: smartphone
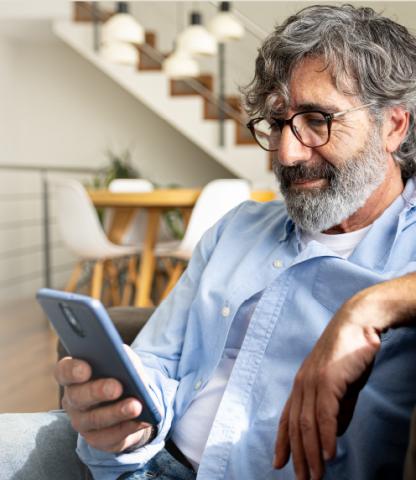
column 86, row 331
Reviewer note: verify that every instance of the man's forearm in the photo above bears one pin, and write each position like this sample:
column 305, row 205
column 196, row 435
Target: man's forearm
column 387, row 304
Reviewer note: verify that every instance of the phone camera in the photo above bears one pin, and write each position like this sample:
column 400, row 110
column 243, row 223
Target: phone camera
column 72, row 320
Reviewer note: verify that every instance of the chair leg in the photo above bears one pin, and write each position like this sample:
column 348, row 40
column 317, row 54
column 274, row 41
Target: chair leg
column 114, row 282
column 130, row 281
column 97, row 279
column 161, row 277
column 72, row 284
column 106, row 295
column 168, row 265
column 174, row 277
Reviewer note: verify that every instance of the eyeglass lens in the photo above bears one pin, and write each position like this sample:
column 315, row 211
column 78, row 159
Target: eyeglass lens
column 310, row 128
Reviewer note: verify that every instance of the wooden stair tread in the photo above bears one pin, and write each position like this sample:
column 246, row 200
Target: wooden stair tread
column 211, row 109
column 181, row 87
column 82, row 12
column 147, row 62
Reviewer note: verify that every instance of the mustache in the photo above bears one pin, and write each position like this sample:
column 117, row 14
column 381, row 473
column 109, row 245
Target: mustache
column 288, row 175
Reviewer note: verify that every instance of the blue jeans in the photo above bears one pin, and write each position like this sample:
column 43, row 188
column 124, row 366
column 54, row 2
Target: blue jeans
column 41, row 446
column 161, row 467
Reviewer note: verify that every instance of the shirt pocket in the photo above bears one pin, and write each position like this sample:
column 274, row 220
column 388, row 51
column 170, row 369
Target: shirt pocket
column 337, row 280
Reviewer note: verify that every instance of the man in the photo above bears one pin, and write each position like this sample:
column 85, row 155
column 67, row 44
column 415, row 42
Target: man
column 334, row 98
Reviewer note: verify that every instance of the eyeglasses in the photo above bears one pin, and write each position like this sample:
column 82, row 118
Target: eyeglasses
column 312, row 128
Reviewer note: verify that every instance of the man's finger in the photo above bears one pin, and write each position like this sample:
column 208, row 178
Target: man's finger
column 107, row 416
column 282, row 447
column 310, row 433
column 87, row 395
column 296, row 447
column 327, row 409
column 117, row 438
column 70, row 370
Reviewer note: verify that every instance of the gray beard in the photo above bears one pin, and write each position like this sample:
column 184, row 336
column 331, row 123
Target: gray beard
column 349, row 187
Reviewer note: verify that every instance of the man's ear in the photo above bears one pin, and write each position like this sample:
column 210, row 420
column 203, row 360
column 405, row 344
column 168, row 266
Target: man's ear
column 396, row 124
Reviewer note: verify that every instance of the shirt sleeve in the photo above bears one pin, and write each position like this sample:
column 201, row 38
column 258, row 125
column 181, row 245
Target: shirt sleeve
column 159, row 346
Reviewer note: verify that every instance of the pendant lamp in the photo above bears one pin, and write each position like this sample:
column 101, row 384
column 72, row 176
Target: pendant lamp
column 180, row 64
column 120, row 52
column 123, row 27
column 195, row 39
column 224, row 26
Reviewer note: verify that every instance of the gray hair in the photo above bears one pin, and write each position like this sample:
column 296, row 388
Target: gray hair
column 368, row 55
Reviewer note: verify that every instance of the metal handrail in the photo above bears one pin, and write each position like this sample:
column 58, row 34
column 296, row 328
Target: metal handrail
column 45, row 221
column 197, row 86
column 45, row 167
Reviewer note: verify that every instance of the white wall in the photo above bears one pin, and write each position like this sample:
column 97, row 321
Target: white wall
column 67, row 112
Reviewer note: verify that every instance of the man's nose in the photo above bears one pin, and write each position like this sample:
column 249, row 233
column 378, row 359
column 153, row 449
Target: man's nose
column 291, row 150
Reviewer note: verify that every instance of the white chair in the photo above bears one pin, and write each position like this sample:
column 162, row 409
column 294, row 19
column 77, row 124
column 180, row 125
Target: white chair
column 216, row 199
column 83, row 234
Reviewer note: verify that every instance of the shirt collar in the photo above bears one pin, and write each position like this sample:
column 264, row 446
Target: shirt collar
column 409, row 192
column 288, row 228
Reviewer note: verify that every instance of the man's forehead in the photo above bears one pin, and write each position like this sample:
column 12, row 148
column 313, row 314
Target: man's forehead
column 312, row 87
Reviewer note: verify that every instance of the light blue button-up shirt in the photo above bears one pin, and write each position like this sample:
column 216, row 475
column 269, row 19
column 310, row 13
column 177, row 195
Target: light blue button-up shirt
column 257, row 248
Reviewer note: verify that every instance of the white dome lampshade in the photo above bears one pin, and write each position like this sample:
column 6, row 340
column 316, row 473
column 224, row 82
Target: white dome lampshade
column 120, row 52
column 123, row 27
column 196, row 39
column 180, row 64
column 224, row 26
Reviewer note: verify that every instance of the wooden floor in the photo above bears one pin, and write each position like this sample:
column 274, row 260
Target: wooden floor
column 27, row 358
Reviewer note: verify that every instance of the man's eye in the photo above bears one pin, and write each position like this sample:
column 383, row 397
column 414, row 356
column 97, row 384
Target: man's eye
column 314, row 121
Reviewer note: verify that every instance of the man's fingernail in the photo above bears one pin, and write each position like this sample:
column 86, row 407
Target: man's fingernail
column 108, row 389
column 78, row 371
column 275, row 461
column 325, row 455
column 127, row 409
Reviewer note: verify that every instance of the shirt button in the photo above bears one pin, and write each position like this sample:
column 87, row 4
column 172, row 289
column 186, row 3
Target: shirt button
column 277, row 263
column 225, row 312
column 197, row 385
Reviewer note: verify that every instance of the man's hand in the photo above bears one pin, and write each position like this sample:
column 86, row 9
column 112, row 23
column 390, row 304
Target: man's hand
column 107, row 427
column 325, row 391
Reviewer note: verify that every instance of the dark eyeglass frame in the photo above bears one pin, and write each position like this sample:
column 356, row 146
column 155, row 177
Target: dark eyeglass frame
column 281, row 123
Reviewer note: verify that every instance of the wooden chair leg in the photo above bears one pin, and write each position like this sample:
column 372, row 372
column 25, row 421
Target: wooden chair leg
column 168, row 265
column 72, row 284
column 106, row 294
column 174, row 277
column 161, row 278
column 97, row 279
column 130, row 281
column 114, row 282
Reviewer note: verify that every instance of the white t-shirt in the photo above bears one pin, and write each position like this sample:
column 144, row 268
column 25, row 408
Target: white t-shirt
column 343, row 244
column 192, row 430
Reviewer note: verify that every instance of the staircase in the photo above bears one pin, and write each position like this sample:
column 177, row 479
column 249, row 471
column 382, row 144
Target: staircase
column 186, row 105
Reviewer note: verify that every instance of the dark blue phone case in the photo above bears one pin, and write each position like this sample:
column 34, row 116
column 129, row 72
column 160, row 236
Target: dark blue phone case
column 91, row 336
